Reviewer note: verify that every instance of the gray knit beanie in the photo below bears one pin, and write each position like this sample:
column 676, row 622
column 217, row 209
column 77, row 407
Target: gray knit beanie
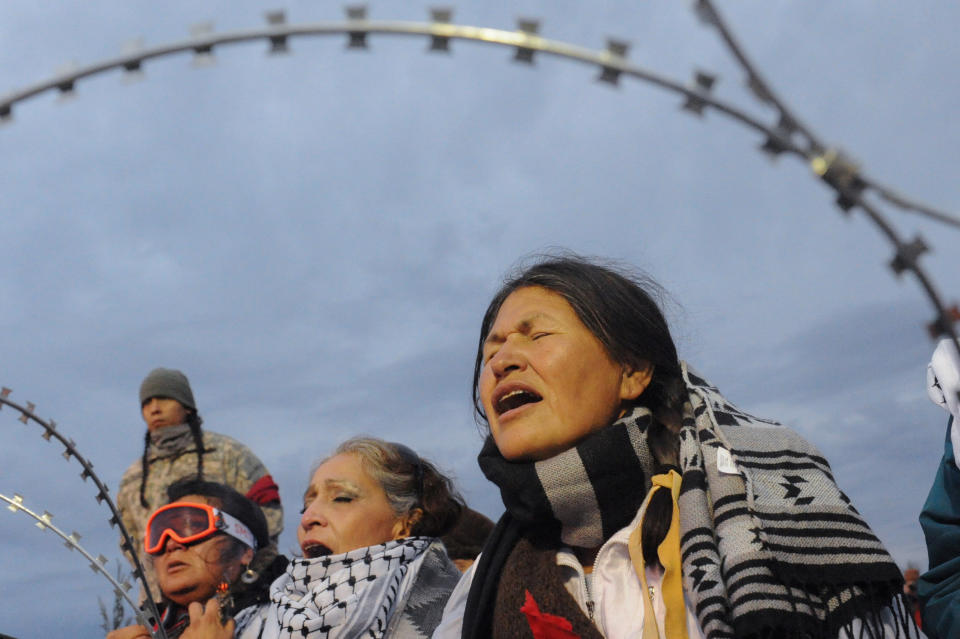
column 167, row 382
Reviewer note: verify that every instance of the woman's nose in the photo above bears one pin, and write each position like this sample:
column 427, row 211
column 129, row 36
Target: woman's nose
column 312, row 516
column 172, row 544
column 508, row 358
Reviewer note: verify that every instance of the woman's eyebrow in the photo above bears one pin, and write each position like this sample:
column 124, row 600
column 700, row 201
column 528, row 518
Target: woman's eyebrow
column 341, row 484
column 523, row 326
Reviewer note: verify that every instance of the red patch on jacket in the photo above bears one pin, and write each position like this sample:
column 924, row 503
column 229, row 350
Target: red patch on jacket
column 543, row 624
column 264, row 491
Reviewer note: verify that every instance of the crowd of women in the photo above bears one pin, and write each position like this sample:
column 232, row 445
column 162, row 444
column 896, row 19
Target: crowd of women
column 639, row 502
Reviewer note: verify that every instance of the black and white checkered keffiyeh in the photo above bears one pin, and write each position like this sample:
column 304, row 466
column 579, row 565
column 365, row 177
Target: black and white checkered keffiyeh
column 342, row 596
column 771, row 546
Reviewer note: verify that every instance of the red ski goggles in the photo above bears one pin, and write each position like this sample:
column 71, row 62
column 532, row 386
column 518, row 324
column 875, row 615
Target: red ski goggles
column 188, row 523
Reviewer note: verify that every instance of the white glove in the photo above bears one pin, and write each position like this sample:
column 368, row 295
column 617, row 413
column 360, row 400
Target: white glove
column 943, row 387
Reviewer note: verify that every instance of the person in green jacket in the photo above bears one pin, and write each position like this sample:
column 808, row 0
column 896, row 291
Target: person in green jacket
column 938, row 589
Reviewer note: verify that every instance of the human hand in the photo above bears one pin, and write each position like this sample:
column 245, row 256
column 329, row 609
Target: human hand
column 129, row 632
column 205, row 622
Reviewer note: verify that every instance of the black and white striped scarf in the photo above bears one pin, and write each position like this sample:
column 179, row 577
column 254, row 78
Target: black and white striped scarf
column 583, row 495
column 771, row 546
column 347, row 595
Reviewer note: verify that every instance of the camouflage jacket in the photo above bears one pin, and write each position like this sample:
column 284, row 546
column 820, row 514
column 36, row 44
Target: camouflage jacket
column 225, row 460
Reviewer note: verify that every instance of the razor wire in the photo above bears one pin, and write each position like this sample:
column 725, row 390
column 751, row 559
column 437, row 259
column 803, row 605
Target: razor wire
column 72, row 542
column 44, row 521
column 786, row 135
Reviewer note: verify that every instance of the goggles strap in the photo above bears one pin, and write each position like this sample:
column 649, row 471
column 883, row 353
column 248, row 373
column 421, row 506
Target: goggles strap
column 235, row 528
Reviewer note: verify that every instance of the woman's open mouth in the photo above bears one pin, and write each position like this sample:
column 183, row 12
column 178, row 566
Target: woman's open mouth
column 513, row 397
column 312, row 550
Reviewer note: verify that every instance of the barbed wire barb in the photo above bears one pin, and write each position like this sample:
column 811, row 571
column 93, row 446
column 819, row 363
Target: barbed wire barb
column 440, row 16
column 357, row 37
column 528, row 28
column 278, row 43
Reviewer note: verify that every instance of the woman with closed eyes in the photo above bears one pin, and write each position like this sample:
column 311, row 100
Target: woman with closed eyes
column 639, row 501
column 372, row 563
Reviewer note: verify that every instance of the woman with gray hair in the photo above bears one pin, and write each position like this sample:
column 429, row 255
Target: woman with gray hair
column 372, row 562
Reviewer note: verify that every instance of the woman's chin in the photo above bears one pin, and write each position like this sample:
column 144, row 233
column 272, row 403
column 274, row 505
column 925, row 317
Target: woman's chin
column 514, row 446
column 184, row 594
column 524, row 453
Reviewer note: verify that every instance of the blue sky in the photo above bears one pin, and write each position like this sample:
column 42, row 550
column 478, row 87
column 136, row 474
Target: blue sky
column 313, row 238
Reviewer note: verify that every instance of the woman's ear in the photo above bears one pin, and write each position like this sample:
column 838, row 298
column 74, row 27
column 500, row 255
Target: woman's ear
column 634, row 381
column 404, row 526
column 241, row 565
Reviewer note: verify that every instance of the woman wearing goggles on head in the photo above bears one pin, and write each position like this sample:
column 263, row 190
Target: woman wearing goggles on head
column 205, row 544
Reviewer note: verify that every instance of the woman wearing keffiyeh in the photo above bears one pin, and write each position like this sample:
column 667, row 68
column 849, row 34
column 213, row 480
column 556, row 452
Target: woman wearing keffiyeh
column 639, row 501
column 372, row 565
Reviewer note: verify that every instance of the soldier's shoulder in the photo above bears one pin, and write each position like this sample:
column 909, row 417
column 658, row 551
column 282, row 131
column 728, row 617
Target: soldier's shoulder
column 224, row 441
column 219, row 440
column 237, row 455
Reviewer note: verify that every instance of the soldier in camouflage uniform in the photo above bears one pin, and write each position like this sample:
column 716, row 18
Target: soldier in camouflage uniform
column 171, row 446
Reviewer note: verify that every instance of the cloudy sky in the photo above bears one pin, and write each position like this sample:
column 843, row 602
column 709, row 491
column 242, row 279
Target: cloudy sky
column 313, row 238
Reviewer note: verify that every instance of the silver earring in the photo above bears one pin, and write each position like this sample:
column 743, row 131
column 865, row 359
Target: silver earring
column 249, row 575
